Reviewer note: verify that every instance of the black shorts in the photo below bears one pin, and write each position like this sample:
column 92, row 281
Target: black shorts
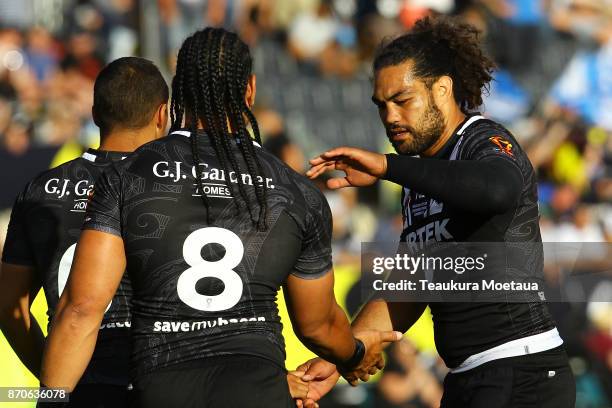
column 94, row 396
column 541, row 380
column 224, row 382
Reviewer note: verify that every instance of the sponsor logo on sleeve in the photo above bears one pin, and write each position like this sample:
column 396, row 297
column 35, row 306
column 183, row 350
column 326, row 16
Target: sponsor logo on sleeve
column 502, row 144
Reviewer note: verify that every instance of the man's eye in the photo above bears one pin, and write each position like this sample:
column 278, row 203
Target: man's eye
column 403, row 101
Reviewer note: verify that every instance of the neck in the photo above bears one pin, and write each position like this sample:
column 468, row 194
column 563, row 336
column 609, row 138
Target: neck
column 125, row 140
column 202, row 126
column 453, row 121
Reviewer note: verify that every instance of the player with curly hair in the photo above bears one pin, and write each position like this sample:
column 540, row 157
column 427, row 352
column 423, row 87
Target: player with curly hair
column 472, row 182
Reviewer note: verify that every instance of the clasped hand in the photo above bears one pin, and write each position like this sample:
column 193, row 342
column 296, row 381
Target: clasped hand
column 321, row 376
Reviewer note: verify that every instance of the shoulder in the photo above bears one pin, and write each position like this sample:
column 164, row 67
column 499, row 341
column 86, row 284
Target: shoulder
column 486, row 134
column 483, row 129
column 313, row 204
column 307, row 200
column 158, row 149
column 61, row 170
column 158, row 145
column 307, row 189
column 42, row 180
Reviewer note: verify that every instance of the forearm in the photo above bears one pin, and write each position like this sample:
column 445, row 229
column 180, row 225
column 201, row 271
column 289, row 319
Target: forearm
column 332, row 339
column 69, row 347
column 25, row 337
column 491, row 186
column 387, row 316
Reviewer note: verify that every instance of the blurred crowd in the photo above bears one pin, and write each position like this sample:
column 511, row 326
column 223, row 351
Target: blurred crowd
column 553, row 89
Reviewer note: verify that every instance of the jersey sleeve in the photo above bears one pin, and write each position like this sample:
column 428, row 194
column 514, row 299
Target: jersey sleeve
column 104, row 208
column 315, row 258
column 487, row 179
column 17, row 248
column 489, row 144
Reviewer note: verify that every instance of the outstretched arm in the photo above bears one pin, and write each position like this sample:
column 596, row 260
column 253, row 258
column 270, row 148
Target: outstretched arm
column 492, row 185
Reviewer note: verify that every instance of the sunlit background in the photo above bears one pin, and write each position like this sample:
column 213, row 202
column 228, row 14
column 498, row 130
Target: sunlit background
column 553, row 89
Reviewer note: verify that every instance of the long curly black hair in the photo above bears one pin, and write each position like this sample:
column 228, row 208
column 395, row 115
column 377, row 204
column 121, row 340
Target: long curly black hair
column 443, row 46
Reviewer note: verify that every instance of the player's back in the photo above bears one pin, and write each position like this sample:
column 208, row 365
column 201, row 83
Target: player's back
column 204, row 289
column 44, row 229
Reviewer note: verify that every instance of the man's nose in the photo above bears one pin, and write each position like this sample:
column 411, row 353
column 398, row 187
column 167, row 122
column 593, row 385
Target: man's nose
column 392, row 117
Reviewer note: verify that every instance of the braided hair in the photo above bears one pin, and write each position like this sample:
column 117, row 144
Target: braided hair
column 212, row 73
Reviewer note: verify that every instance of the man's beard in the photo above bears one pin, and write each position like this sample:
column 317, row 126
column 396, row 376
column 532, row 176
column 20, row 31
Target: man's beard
column 431, row 126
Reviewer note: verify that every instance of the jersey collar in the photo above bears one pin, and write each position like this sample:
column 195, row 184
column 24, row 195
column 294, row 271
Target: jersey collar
column 95, row 155
column 187, row 133
column 457, row 134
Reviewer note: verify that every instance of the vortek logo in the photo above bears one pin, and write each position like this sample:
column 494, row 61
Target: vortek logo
column 434, row 231
column 61, row 188
column 173, row 171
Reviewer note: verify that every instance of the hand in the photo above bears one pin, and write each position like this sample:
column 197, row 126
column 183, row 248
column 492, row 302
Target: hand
column 298, row 388
column 321, row 376
column 362, row 167
column 373, row 360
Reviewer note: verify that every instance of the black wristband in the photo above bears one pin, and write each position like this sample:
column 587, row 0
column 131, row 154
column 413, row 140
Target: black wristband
column 355, row 360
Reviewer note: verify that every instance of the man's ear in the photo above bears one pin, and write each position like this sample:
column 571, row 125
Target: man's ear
column 161, row 119
column 443, row 90
column 251, row 90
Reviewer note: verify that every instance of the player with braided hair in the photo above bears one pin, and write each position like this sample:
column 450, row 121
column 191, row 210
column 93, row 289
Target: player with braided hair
column 204, row 271
column 213, row 95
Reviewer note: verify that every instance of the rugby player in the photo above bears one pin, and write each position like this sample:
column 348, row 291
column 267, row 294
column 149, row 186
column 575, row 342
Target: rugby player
column 130, row 108
column 209, row 226
column 472, row 182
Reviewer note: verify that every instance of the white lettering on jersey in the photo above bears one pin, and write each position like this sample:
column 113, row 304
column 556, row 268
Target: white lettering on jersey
column 434, row 231
column 61, row 188
column 174, row 327
column 213, row 179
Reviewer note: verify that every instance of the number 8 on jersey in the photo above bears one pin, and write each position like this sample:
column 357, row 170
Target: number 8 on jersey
column 221, row 269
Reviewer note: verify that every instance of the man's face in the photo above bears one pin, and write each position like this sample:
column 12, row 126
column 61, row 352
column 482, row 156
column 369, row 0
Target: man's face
column 407, row 109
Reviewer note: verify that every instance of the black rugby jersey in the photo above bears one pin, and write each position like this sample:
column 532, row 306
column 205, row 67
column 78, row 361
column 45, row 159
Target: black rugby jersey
column 207, row 290
column 464, row 329
column 43, row 231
